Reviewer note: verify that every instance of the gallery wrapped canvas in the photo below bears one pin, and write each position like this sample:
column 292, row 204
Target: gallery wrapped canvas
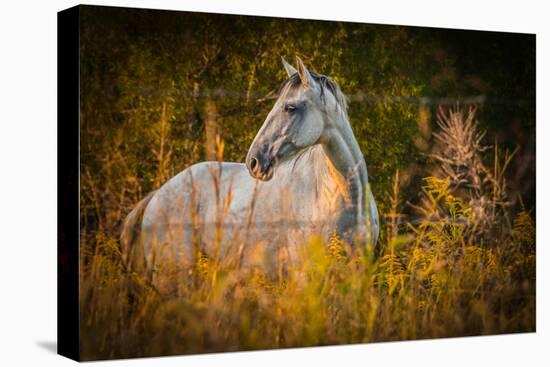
column 231, row 183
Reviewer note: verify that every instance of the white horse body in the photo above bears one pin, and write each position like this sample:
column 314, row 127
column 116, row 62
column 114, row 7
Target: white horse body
column 321, row 186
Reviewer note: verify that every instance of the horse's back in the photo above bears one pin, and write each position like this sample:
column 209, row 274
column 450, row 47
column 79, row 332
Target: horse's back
column 185, row 206
column 199, row 181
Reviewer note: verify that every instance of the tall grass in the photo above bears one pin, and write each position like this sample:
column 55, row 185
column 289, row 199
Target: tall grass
column 464, row 264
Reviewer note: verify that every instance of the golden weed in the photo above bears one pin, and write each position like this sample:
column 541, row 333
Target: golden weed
column 459, row 267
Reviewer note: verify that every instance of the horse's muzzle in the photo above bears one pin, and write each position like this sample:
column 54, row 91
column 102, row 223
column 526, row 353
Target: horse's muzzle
column 260, row 168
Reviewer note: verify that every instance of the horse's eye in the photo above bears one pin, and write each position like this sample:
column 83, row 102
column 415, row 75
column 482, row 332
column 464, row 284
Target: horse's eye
column 290, row 107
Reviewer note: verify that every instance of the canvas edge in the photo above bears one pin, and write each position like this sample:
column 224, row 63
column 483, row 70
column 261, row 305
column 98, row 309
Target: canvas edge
column 68, row 182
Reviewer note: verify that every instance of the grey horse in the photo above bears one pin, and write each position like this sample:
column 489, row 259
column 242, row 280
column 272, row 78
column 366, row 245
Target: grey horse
column 304, row 176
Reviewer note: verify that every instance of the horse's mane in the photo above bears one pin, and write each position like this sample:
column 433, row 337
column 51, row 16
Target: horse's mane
column 324, row 82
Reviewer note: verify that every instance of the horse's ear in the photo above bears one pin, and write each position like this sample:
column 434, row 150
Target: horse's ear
column 290, row 70
column 305, row 76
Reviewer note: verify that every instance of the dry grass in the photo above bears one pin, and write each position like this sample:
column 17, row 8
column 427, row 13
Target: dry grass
column 462, row 266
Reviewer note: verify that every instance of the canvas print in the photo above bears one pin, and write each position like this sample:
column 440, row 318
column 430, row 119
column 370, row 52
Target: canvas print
column 245, row 183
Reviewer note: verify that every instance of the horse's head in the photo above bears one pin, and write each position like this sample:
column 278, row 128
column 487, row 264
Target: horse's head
column 299, row 119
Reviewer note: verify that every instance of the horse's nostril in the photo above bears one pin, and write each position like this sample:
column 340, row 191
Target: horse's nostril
column 253, row 163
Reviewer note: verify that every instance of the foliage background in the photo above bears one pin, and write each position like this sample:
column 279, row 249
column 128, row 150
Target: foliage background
column 223, row 69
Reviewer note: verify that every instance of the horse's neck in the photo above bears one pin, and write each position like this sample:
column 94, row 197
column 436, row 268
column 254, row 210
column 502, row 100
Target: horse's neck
column 335, row 168
column 319, row 174
column 343, row 153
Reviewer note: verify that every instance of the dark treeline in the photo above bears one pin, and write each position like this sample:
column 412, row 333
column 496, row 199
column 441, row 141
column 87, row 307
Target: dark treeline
column 157, row 87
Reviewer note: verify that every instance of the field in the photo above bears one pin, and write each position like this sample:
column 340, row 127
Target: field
column 463, row 266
